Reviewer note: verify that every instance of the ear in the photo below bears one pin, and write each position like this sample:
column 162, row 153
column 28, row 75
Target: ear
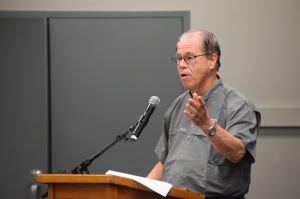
column 213, row 60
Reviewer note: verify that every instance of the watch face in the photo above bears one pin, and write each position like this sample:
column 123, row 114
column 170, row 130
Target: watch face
column 212, row 131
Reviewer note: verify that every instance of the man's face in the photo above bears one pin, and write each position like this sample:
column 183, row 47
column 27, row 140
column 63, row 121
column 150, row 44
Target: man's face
column 193, row 76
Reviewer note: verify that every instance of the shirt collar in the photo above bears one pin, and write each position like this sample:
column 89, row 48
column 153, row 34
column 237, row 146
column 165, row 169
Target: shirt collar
column 208, row 93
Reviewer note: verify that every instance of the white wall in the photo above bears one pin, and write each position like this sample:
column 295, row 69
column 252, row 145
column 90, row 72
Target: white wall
column 260, row 52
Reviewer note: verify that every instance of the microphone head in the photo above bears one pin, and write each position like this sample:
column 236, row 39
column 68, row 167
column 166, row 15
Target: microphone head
column 154, row 100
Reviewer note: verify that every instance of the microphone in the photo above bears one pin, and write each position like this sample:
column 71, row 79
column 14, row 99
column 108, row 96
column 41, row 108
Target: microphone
column 153, row 102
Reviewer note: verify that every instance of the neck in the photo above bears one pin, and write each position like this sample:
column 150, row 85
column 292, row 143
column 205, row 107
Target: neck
column 207, row 84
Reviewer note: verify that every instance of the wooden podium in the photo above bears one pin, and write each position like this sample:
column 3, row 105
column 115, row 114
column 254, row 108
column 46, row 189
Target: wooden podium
column 69, row 186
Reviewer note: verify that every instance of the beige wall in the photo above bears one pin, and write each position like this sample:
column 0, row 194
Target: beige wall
column 275, row 174
column 259, row 41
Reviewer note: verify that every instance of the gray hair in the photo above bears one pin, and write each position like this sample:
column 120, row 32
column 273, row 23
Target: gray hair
column 208, row 42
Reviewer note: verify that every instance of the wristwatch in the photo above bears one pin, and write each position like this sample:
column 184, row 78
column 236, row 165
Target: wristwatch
column 213, row 129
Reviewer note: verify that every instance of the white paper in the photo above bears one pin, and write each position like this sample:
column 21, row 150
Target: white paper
column 159, row 187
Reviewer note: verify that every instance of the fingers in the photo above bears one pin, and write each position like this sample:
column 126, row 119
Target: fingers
column 195, row 109
column 196, row 104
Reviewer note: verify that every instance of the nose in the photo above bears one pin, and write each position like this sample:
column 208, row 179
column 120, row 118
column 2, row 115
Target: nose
column 181, row 63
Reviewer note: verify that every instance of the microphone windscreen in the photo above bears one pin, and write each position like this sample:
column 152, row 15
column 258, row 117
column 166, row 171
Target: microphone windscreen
column 154, row 100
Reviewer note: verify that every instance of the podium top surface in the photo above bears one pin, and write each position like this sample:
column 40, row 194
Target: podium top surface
column 109, row 179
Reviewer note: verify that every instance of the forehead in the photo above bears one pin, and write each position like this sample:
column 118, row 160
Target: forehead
column 188, row 45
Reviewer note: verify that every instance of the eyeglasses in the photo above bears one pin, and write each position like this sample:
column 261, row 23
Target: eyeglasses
column 189, row 59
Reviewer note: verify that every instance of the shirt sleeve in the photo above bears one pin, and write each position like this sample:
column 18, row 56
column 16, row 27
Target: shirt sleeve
column 161, row 148
column 243, row 121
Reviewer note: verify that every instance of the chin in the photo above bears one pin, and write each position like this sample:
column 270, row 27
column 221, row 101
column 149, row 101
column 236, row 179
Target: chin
column 185, row 86
column 188, row 86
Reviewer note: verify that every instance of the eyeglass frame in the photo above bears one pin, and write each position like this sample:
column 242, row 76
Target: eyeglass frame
column 177, row 60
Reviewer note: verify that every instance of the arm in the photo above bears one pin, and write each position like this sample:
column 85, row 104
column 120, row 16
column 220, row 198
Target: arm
column 225, row 143
column 156, row 172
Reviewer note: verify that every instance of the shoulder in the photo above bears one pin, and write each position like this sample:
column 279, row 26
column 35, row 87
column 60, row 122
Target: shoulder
column 237, row 103
column 236, row 98
column 180, row 99
column 177, row 103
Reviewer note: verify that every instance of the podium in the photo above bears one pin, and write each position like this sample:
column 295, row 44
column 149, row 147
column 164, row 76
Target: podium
column 77, row 186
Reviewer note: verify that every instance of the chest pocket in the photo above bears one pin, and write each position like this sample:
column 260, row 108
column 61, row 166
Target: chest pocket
column 190, row 145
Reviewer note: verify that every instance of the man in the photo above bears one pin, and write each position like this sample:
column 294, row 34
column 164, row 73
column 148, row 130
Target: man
column 210, row 131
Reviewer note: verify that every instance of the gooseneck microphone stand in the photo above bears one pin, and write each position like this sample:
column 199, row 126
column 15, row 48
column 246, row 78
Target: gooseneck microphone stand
column 83, row 167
